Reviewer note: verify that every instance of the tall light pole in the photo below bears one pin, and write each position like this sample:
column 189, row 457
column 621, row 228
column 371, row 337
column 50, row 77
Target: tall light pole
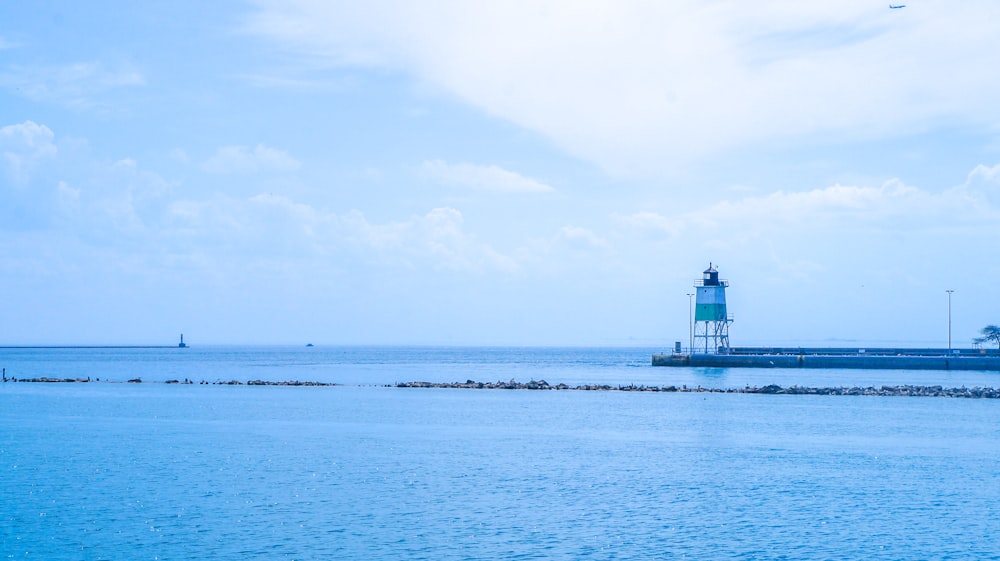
column 690, row 323
column 949, row 291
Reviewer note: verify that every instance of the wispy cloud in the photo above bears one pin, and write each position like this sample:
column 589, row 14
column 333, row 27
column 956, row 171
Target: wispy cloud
column 281, row 81
column 892, row 206
column 267, row 223
column 75, row 85
column 437, row 239
column 484, row 178
column 243, row 159
column 649, row 223
column 839, row 226
column 580, row 238
column 635, row 85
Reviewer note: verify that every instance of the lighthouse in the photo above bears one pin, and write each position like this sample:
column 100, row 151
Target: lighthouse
column 711, row 321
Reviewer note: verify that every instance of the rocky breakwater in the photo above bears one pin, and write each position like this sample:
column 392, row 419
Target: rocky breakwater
column 269, row 383
column 772, row 389
column 288, row 383
column 899, row 391
column 48, row 380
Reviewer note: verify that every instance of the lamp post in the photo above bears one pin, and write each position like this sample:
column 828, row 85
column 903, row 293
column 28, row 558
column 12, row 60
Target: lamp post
column 690, row 323
column 949, row 291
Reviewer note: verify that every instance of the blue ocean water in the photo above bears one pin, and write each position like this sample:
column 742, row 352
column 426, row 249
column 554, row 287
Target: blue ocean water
column 112, row 470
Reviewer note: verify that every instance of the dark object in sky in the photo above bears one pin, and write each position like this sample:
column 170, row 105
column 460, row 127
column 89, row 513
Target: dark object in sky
column 891, row 7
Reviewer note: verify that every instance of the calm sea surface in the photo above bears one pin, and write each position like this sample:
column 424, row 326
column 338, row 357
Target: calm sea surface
column 112, row 470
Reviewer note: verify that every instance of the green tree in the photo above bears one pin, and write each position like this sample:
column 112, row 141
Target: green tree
column 991, row 333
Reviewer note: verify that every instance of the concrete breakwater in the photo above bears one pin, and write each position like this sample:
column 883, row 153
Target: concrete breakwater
column 894, row 391
column 51, row 380
column 867, row 361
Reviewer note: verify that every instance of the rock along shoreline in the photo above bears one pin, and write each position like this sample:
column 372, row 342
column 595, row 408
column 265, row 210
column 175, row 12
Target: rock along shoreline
column 772, row 389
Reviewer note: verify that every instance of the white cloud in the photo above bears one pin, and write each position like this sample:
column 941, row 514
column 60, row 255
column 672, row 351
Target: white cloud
column 822, row 229
column 635, row 85
column 484, row 178
column 984, row 181
column 119, row 197
column 891, row 220
column 650, row 223
column 24, row 145
column 140, row 183
column 891, row 206
column 269, row 224
column 180, row 156
column 986, row 174
column 437, row 237
column 242, row 159
column 845, row 230
column 580, row 238
column 68, row 198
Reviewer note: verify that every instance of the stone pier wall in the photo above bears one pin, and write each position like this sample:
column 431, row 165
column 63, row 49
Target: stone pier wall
column 859, row 361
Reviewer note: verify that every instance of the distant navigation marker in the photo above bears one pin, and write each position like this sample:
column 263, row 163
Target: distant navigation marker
column 182, row 344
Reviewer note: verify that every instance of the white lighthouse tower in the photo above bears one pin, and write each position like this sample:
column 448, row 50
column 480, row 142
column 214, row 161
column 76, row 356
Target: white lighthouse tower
column 711, row 321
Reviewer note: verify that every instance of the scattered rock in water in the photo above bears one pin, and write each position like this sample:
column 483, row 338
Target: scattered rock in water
column 287, row 383
column 770, row 389
column 50, row 380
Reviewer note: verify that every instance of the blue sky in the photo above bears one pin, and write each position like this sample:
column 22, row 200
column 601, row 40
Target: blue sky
column 496, row 173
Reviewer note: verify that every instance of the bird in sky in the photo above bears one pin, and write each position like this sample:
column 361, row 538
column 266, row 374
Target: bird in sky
column 891, row 7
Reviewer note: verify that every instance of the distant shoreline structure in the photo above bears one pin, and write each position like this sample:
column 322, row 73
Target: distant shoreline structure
column 90, row 346
column 181, row 345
